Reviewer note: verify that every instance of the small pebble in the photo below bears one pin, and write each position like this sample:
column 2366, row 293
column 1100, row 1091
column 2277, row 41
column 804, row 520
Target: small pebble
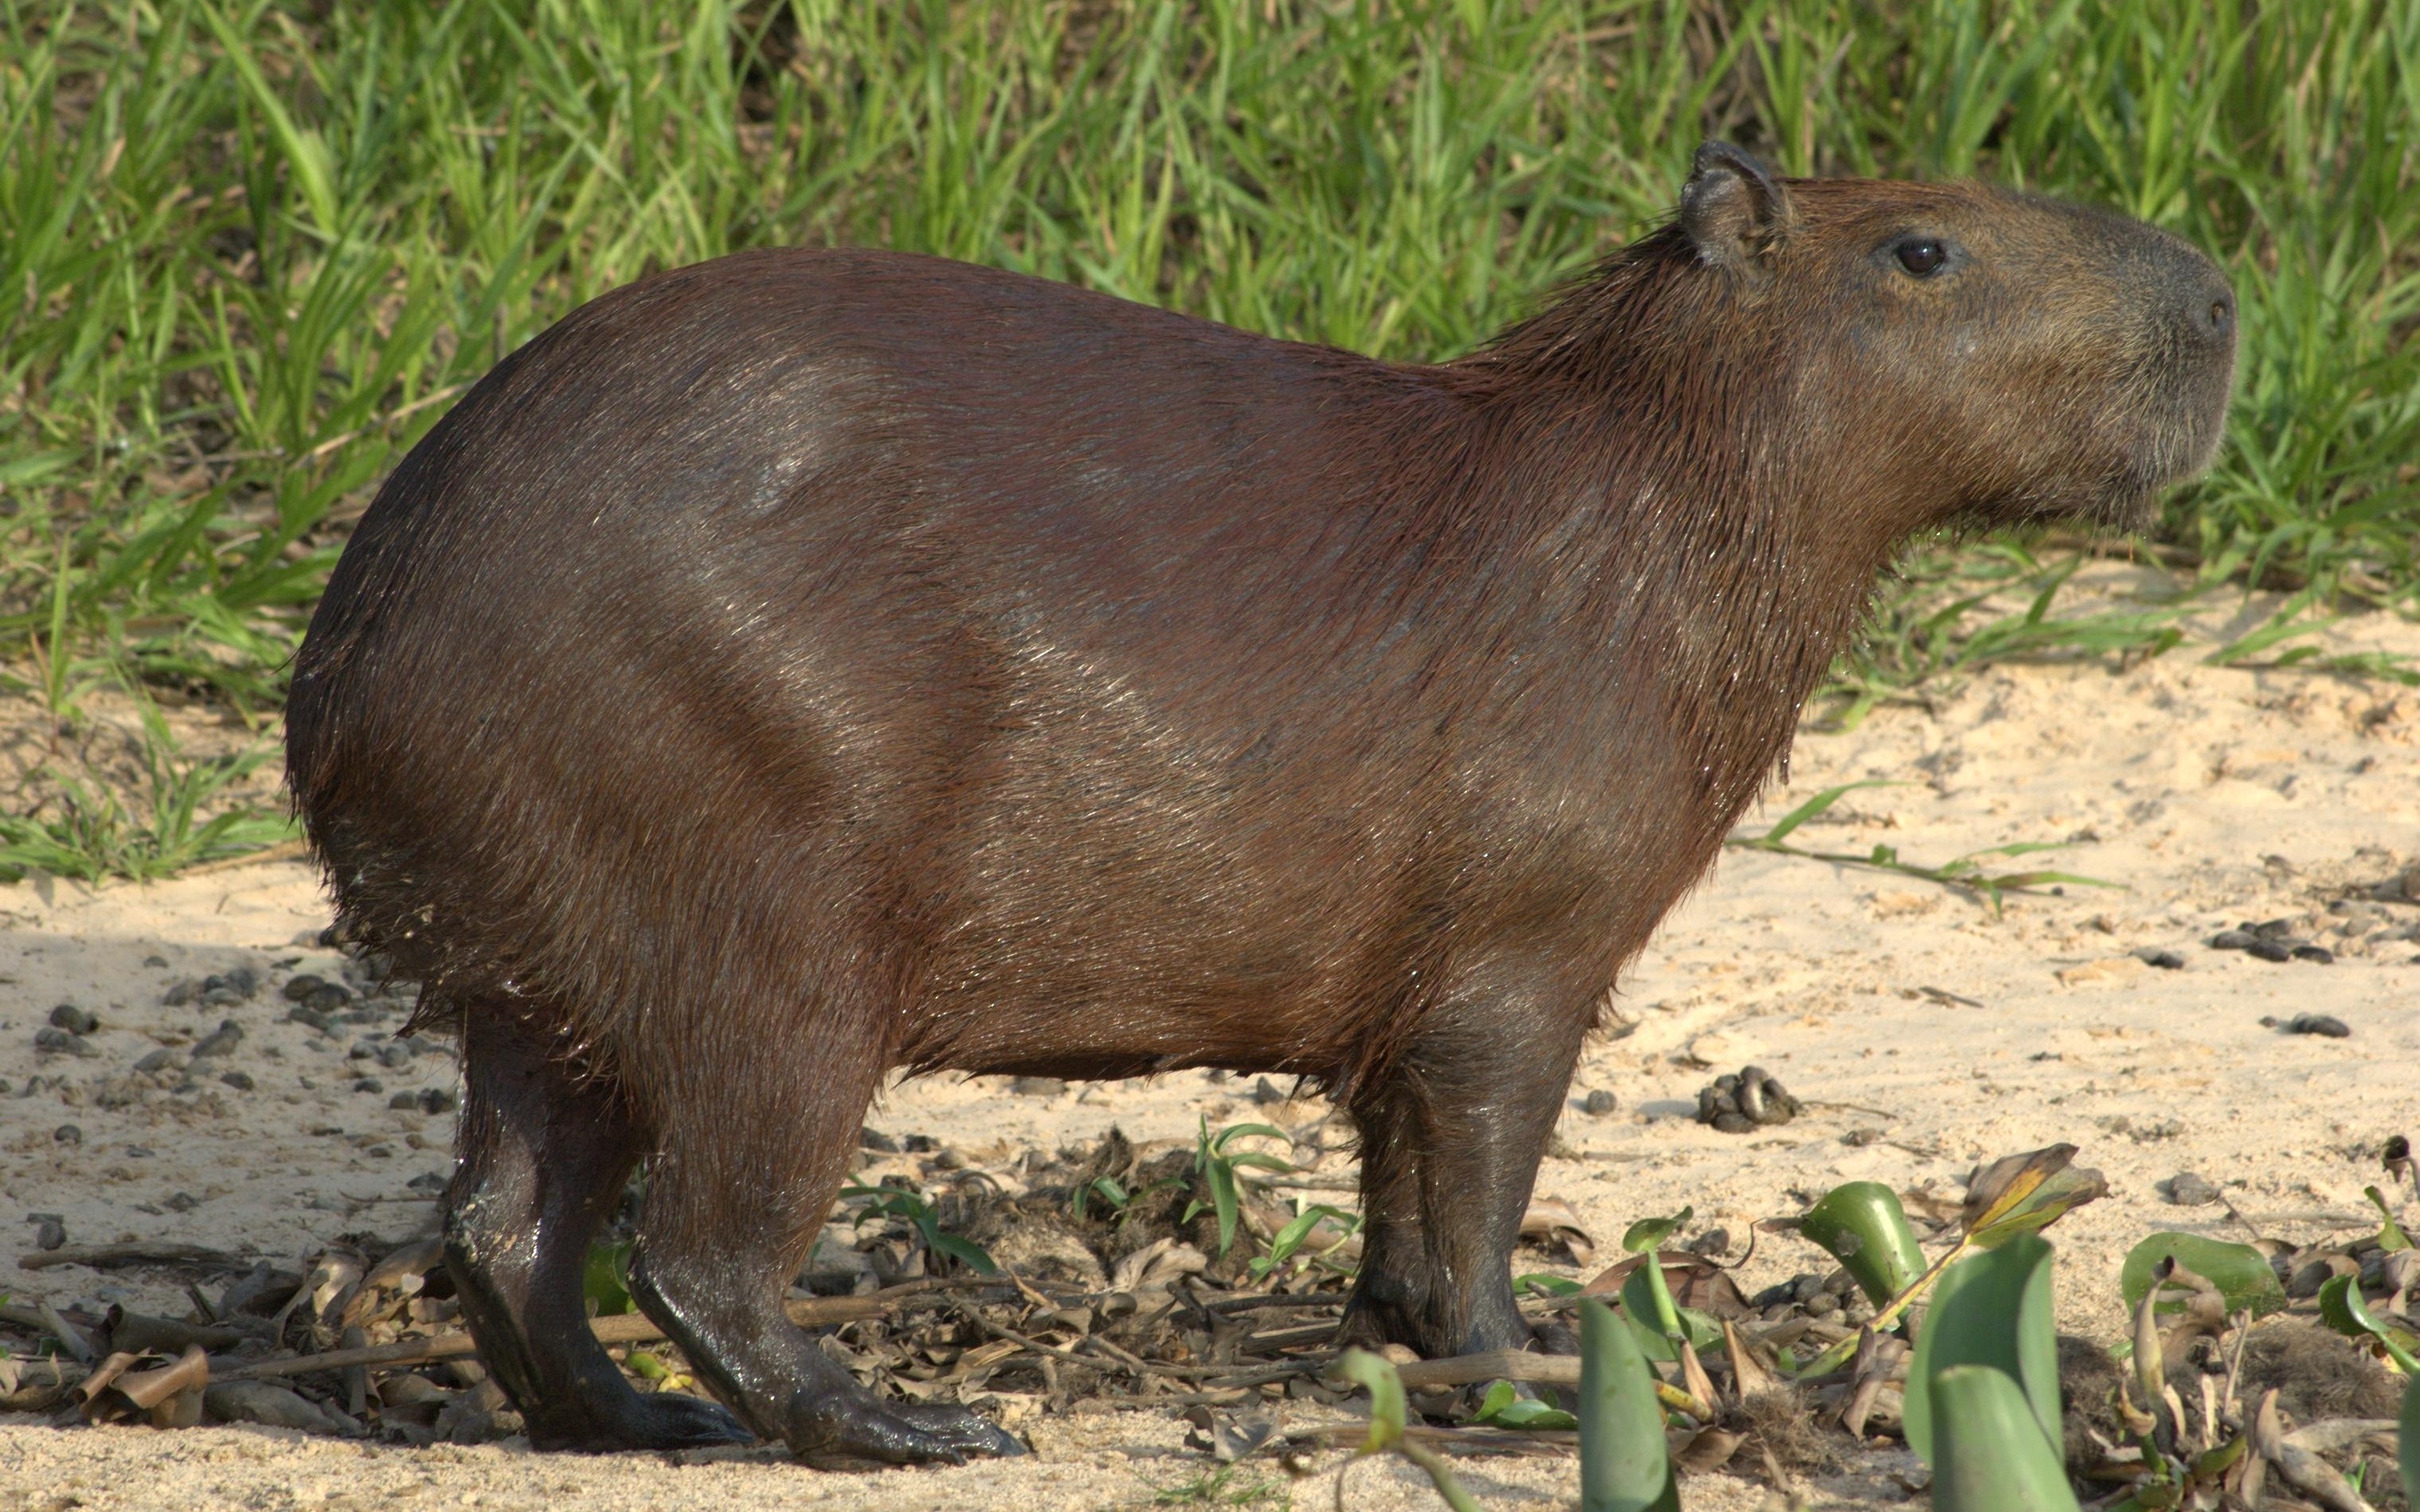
column 2325, row 1024
column 184, row 1202
column 67, row 1134
column 141, row 1151
column 2268, row 949
column 242, row 981
column 60, row 1041
column 394, row 1057
column 156, row 1059
column 2318, row 954
column 1036, row 1086
column 1597, row 1103
column 73, row 1019
column 158, row 963
column 221, row 1040
column 180, row 994
column 1265, row 1093
column 875, row 1140
column 240, row 1081
column 403, row 1100
column 303, row 1013
column 328, row 997
column 50, row 1234
column 2233, row 939
column 369, row 1083
column 1861, row 1137
column 427, row 1182
column 436, row 1100
column 2164, row 960
column 2186, row 1190
column 299, row 988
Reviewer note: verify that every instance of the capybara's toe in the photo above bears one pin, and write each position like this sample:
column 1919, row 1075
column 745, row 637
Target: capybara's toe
column 963, row 1430
column 671, row 1420
column 854, row 1433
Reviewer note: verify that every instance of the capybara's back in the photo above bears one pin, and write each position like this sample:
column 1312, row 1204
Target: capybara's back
column 808, row 664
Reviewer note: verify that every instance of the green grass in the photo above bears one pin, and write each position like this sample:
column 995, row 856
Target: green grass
column 250, row 250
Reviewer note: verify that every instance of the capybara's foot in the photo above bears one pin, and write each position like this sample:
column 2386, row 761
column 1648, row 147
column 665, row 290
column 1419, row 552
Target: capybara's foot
column 850, row 1430
column 665, row 1421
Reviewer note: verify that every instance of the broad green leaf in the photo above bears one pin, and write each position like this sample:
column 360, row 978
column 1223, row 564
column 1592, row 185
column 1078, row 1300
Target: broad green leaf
column 1864, row 1227
column 1988, row 1452
column 1992, row 1308
column 2021, row 1194
column 2341, row 1307
column 1506, row 1408
column 1647, row 1233
column 605, row 1280
column 2241, row 1272
column 1640, row 1304
column 1624, row 1466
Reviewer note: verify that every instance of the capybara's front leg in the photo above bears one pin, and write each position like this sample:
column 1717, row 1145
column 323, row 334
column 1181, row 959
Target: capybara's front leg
column 736, row 1196
column 1451, row 1135
column 544, row 1154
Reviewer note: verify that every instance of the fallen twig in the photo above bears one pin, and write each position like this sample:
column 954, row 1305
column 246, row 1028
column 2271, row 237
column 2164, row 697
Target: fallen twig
column 140, row 1252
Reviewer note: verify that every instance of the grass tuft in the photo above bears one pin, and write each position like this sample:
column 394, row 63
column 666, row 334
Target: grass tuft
column 250, row 249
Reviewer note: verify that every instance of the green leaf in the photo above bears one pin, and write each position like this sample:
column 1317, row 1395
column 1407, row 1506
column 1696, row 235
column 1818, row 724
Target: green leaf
column 2241, row 1272
column 1386, row 1397
column 1505, row 1407
column 605, row 1280
column 965, row 1250
column 1988, row 1452
column 1816, row 805
column 1864, row 1227
column 1643, row 1235
column 2391, row 1236
column 1624, row 1466
column 647, row 1367
column 2409, row 1434
column 2021, row 1194
column 1992, row 1308
column 2341, row 1307
column 1657, row 1335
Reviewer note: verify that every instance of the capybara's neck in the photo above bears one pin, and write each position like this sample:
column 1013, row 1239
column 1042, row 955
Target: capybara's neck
column 1681, row 538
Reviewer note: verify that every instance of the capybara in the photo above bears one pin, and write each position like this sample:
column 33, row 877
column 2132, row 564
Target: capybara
column 811, row 664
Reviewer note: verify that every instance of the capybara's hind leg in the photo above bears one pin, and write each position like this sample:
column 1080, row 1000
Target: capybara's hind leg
column 736, row 1195
column 1452, row 1137
column 544, row 1154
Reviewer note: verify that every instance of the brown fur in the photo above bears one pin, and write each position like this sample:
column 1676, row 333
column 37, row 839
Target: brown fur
column 813, row 663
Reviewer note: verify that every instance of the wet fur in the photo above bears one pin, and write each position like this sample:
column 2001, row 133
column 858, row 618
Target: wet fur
column 809, row 664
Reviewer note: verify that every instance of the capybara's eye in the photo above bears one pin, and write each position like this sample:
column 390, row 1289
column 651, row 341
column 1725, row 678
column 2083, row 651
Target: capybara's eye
column 1922, row 256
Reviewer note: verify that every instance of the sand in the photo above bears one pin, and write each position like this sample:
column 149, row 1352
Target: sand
column 1926, row 1031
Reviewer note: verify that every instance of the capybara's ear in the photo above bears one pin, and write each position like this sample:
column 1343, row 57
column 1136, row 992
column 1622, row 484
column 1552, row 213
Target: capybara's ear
column 1732, row 207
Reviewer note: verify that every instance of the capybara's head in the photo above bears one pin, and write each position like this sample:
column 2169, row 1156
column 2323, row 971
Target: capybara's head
column 2024, row 356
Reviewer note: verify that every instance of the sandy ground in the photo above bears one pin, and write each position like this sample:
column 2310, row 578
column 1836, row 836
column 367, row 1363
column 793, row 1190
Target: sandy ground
column 2214, row 795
